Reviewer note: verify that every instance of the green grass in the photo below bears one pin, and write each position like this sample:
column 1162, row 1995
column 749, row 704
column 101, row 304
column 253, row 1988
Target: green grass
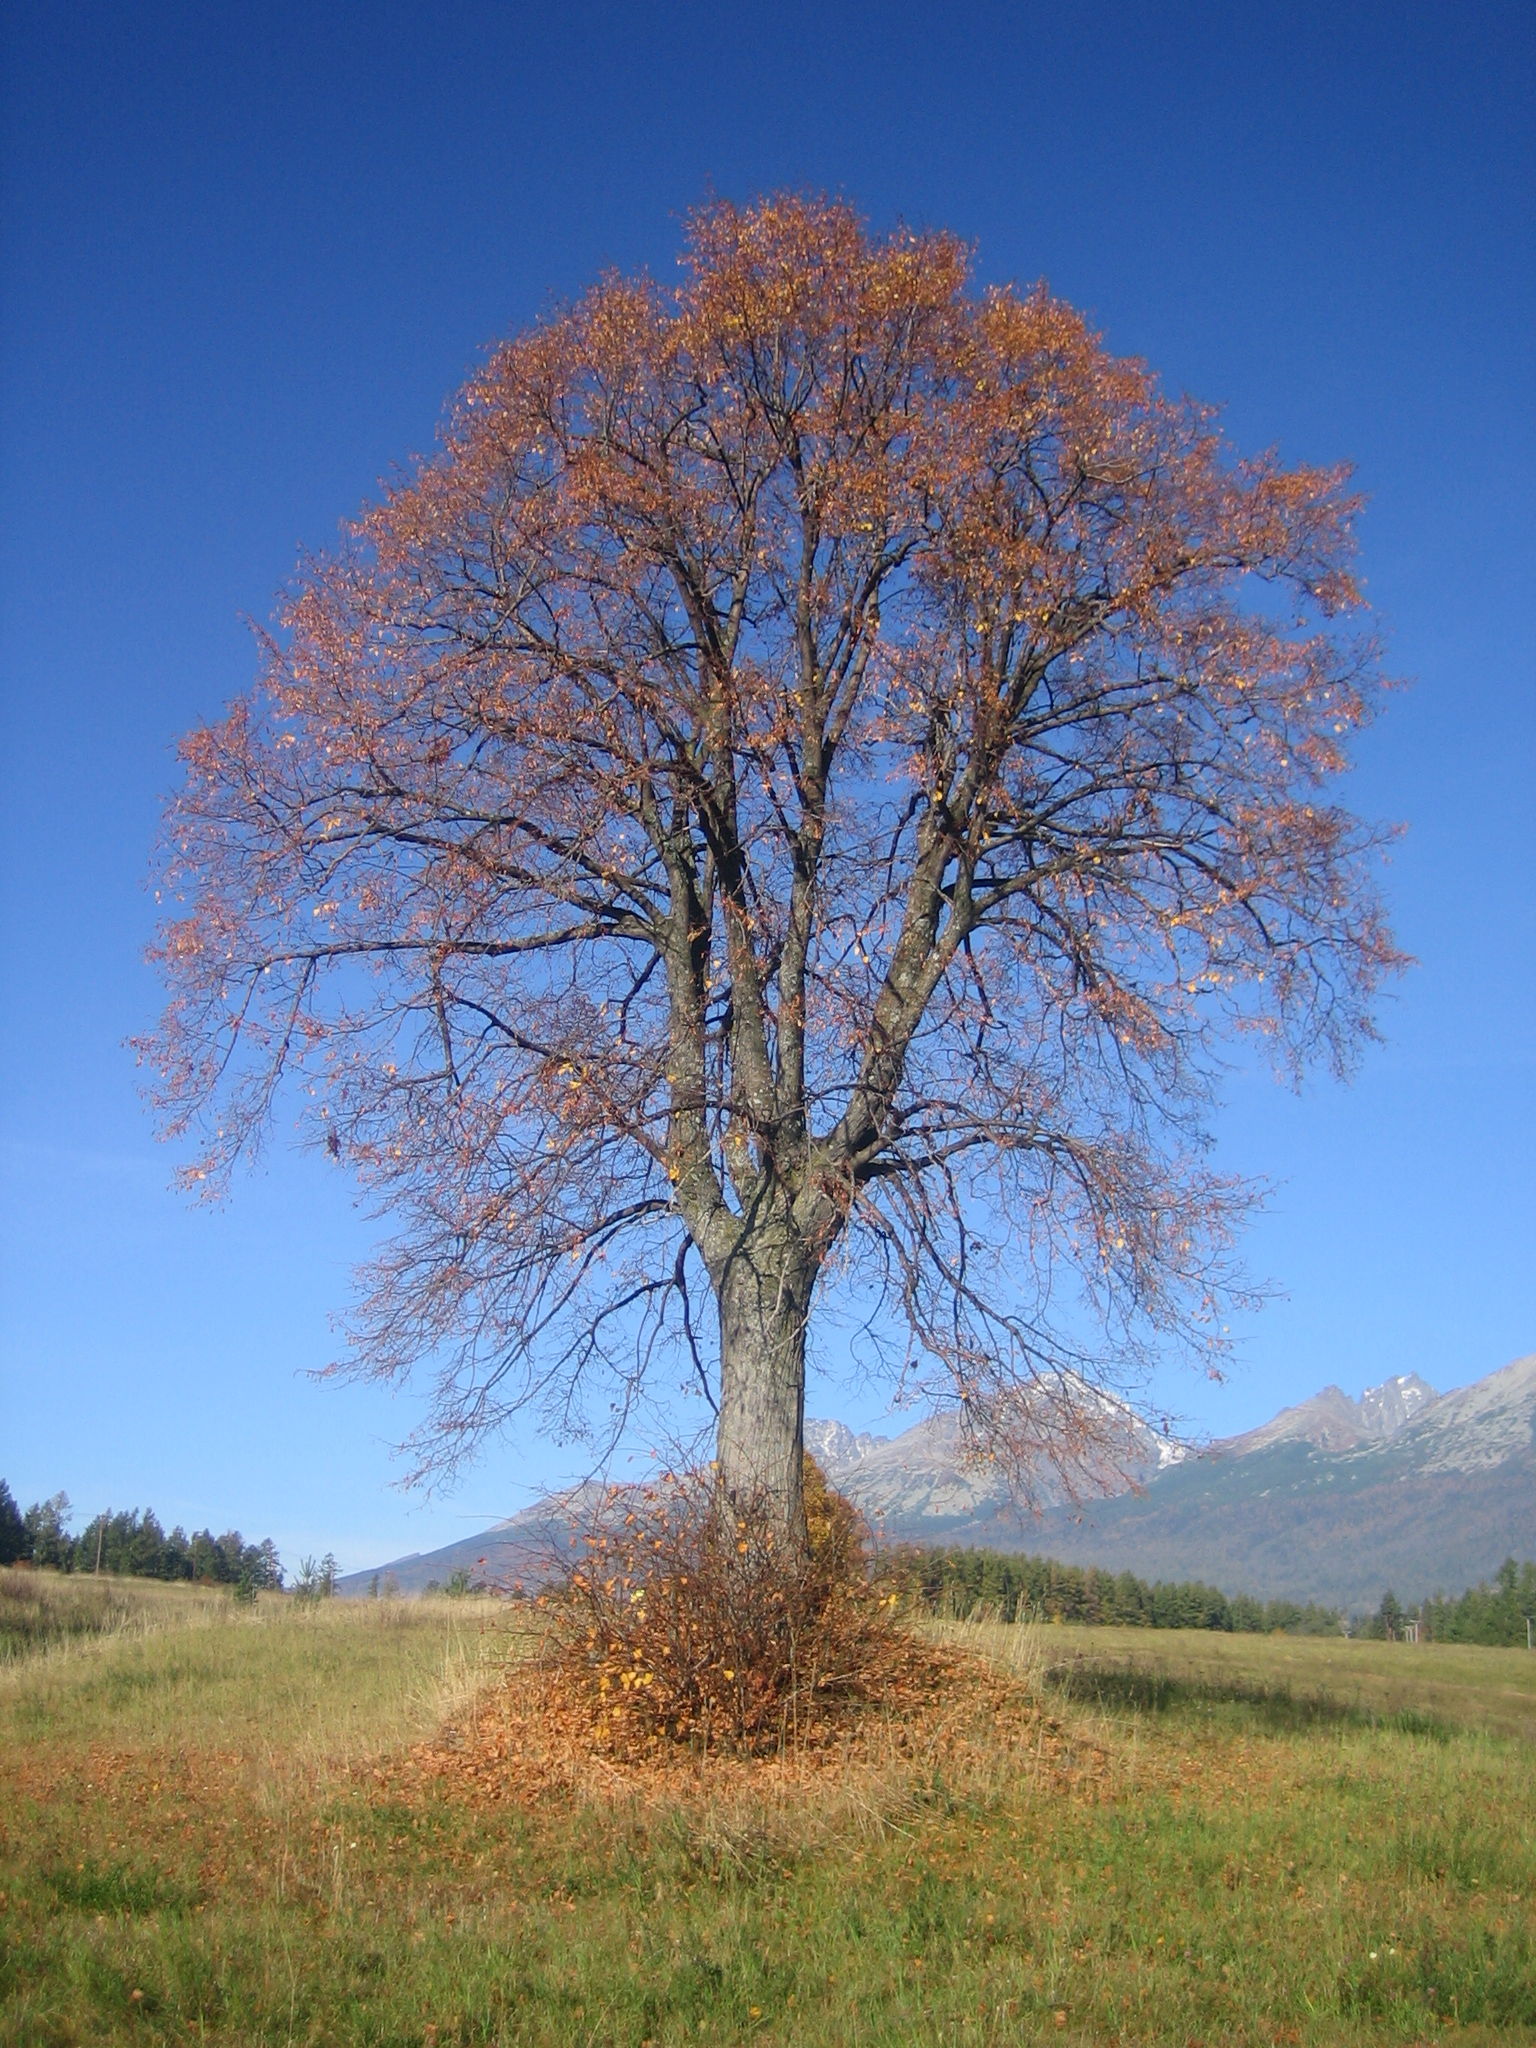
column 1225, row 1845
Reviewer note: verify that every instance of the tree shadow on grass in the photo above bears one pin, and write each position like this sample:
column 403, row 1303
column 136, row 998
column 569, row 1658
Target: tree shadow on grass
column 1275, row 1708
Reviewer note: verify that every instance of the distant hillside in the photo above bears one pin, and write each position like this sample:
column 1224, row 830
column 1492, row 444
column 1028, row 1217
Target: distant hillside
column 1334, row 1422
column 524, row 1549
column 1334, row 1500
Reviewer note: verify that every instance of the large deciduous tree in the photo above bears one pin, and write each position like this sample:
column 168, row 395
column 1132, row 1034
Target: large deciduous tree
column 795, row 789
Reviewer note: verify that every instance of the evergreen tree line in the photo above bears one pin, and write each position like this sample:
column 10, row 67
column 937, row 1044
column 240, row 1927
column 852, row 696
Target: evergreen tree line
column 1016, row 1588
column 133, row 1544
column 1495, row 1615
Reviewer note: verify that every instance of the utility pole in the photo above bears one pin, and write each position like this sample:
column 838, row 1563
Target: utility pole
column 101, row 1530
column 1528, row 1643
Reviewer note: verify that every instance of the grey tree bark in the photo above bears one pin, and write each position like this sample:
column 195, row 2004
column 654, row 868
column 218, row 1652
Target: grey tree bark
column 764, row 1295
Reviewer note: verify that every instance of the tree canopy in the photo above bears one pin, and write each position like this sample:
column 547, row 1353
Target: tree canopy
column 798, row 787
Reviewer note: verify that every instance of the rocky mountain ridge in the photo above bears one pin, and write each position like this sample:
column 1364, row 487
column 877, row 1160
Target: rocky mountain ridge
column 910, row 1484
column 1334, row 1422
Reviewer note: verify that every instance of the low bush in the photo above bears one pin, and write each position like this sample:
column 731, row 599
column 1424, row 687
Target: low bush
column 687, row 1623
column 316, row 1580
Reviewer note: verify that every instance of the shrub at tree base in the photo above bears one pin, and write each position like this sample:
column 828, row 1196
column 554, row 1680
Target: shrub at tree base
column 691, row 1624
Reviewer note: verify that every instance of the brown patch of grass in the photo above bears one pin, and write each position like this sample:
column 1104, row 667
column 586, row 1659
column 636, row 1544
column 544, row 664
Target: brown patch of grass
column 42, row 1610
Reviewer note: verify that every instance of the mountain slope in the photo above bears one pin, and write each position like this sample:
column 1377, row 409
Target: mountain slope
column 525, row 1547
column 923, row 1481
column 1333, row 1500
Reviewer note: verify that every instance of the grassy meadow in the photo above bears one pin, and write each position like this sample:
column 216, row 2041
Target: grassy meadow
column 289, row 1825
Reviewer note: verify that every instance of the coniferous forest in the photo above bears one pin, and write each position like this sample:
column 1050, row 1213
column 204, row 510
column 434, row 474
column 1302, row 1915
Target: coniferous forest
column 961, row 1582
column 1018, row 1588
column 132, row 1544
column 1495, row 1615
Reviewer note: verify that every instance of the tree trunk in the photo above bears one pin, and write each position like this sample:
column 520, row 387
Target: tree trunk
column 764, row 1297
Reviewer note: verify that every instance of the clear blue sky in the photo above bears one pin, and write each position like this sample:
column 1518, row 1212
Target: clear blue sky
column 248, row 252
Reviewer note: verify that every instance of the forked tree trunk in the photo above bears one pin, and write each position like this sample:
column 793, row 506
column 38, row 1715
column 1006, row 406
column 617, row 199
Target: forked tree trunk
column 764, row 1298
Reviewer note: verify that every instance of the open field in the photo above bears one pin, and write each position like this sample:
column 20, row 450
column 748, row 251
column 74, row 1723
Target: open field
column 255, row 1828
column 1294, row 1677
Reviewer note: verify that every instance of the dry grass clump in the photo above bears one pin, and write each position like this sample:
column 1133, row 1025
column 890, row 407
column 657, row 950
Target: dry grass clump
column 49, row 1611
column 687, row 1624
